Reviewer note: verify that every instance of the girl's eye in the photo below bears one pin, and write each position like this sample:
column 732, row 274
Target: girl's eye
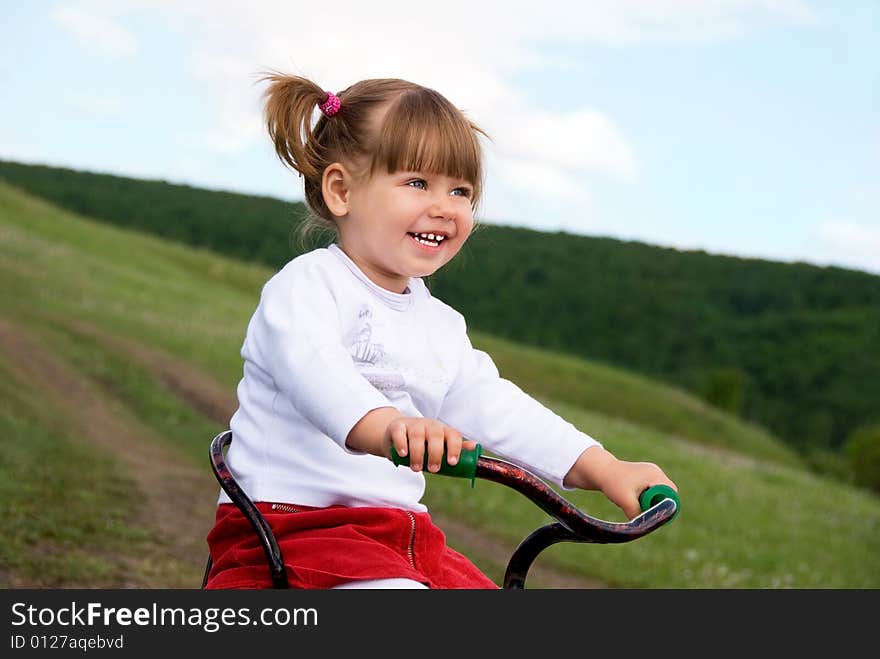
column 422, row 184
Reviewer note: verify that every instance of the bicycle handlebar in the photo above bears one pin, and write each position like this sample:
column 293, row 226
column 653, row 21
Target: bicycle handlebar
column 660, row 504
column 466, row 467
column 472, row 465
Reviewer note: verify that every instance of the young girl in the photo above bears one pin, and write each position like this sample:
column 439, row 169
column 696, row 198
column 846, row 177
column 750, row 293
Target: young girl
column 348, row 353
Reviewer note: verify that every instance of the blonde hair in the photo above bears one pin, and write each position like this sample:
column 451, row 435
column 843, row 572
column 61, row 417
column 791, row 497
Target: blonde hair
column 420, row 131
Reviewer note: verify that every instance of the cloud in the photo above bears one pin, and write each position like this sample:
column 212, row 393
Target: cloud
column 576, row 142
column 100, row 33
column 451, row 52
column 530, row 176
column 466, row 49
column 470, row 51
column 239, row 116
column 626, row 22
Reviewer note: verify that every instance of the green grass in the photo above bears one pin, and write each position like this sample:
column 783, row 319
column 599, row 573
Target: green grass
column 625, row 395
column 745, row 523
column 65, row 506
column 188, row 302
column 133, row 386
column 752, row 516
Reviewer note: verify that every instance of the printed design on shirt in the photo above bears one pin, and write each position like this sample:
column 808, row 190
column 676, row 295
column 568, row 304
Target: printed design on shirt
column 389, row 371
column 367, row 353
column 363, row 349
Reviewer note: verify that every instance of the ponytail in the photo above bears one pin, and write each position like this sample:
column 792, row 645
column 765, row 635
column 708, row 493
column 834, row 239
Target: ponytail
column 291, row 102
column 290, row 106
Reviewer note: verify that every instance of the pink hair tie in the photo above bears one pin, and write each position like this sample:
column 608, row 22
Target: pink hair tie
column 331, row 105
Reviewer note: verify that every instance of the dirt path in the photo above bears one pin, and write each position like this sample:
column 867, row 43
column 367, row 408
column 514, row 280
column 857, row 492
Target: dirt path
column 174, row 490
column 199, row 390
column 178, row 498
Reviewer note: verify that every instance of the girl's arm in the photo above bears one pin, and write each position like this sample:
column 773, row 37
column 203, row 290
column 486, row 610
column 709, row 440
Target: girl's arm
column 368, row 434
column 509, row 422
column 294, row 337
column 620, row 481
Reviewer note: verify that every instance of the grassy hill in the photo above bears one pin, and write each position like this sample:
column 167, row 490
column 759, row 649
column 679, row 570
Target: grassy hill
column 120, row 363
column 790, row 346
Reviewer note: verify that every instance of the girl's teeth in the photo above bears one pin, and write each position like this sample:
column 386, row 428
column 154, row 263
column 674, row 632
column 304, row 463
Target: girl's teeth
column 427, row 239
column 430, row 236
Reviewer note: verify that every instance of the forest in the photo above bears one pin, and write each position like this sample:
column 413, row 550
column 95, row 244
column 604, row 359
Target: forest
column 794, row 347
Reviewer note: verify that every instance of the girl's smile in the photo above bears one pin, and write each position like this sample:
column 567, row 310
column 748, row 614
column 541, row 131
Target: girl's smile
column 428, row 241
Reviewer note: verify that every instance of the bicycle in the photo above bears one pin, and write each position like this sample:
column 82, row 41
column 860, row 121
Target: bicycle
column 660, row 505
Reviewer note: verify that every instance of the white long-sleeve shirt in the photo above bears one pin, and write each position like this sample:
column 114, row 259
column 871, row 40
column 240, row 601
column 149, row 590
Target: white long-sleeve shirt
column 325, row 346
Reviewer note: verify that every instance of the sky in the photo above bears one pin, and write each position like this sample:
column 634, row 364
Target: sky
column 740, row 127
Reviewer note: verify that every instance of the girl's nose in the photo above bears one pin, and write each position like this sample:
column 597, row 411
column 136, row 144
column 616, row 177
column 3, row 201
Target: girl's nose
column 442, row 207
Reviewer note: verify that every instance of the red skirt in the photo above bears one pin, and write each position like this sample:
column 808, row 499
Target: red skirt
column 325, row 547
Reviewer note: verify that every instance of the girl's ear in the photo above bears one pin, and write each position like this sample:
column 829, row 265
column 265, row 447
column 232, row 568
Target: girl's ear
column 336, row 188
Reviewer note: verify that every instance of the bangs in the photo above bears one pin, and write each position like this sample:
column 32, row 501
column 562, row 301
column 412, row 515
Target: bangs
column 423, row 132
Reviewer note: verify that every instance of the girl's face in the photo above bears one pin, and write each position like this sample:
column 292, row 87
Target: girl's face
column 405, row 224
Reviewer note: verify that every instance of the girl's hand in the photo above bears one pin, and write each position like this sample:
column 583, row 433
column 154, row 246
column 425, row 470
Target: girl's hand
column 622, row 482
column 416, row 436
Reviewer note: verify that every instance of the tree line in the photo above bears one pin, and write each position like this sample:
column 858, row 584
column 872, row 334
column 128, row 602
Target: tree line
column 792, row 346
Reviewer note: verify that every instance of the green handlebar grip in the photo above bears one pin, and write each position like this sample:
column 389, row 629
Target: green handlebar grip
column 466, row 467
column 655, row 494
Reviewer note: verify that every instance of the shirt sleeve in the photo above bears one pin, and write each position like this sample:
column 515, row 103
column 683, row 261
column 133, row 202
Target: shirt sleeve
column 496, row 413
column 296, row 337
